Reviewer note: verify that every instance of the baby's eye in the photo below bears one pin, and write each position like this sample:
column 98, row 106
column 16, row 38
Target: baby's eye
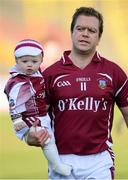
column 34, row 62
column 24, row 61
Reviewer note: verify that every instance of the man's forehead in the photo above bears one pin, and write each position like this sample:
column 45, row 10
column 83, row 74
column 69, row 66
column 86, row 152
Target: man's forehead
column 87, row 20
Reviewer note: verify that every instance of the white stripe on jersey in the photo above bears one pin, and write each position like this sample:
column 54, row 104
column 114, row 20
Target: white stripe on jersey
column 32, row 89
column 98, row 55
column 118, row 91
column 15, row 90
column 106, row 75
column 59, row 78
column 109, row 144
column 63, row 59
column 109, row 121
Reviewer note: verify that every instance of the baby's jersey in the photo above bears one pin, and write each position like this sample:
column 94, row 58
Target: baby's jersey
column 26, row 96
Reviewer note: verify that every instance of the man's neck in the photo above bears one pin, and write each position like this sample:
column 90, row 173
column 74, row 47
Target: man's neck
column 81, row 60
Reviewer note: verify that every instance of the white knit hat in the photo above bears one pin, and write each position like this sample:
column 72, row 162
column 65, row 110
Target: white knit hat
column 28, row 47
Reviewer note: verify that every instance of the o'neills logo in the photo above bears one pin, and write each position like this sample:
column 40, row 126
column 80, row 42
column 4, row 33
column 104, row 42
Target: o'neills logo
column 89, row 103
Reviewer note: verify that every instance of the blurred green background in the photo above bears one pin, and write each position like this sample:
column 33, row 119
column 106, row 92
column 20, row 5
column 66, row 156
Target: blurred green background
column 48, row 21
column 19, row 161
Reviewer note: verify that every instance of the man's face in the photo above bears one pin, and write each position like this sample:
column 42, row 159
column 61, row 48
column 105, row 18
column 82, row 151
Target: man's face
column 85, row 36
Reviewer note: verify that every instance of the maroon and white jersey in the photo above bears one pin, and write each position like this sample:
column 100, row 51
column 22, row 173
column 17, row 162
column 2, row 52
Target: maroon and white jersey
column 82, row 102
column 26, row 96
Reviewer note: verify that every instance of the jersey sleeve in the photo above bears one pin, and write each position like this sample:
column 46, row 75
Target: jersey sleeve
column 19, row 94
column 121, row 94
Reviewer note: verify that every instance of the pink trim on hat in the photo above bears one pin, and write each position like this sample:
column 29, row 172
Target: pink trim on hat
column 28, row 40
column 28, row 44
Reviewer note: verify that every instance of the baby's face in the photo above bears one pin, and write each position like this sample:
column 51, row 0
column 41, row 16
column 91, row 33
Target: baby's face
column 29, row 64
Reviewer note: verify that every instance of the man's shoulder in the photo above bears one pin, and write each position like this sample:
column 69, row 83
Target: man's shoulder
column 53, row 68
column 112, row 68
column 110, row 63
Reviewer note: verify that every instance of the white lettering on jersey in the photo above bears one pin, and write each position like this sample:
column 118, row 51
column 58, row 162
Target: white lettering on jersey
column 63, row 83
column 104, row 104
column 87, row 104
column 96, row 105
column 83, row 86
column 59, row 77
column 61, row 105
column 81, row 79
column 41, row 95
column 72, row 103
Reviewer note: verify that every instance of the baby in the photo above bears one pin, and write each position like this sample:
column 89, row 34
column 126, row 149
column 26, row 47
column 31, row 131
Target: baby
column 25, row 91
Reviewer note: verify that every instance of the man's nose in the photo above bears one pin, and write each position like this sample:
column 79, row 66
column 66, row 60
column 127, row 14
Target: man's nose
column 86, row 32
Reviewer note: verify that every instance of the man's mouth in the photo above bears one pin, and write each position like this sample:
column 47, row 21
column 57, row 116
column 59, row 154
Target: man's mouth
column 84, row 42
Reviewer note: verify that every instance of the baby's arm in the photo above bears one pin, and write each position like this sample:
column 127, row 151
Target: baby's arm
column 20, row 128
column 19, row 124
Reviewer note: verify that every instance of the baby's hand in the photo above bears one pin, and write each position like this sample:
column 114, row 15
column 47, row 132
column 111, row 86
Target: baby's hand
column 19, row 124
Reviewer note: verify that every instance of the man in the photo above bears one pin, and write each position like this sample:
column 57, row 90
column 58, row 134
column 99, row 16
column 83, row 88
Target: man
column 81, row 89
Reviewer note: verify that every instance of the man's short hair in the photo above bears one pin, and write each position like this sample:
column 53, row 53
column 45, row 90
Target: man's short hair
column 87, row 11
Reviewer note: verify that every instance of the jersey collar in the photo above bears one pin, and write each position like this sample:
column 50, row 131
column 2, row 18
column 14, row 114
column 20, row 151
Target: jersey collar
column 67, row 61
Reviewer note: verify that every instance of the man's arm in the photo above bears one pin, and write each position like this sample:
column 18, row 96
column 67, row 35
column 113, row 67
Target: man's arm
column 124, row 112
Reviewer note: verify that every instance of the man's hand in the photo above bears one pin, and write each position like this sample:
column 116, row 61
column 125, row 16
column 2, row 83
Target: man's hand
column 36, row 138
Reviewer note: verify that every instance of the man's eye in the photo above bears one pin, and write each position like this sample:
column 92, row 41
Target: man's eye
column 80, row 29
column 92, row 30
column 24, row 61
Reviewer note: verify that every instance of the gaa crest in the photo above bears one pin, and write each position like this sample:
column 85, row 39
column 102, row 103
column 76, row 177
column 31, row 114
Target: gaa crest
column 102, row 83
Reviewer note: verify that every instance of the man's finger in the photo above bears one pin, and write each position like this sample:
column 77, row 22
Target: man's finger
column 35, row 123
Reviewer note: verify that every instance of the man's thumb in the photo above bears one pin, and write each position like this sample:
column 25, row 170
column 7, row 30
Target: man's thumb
column 34, row 126
column 35, row 123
